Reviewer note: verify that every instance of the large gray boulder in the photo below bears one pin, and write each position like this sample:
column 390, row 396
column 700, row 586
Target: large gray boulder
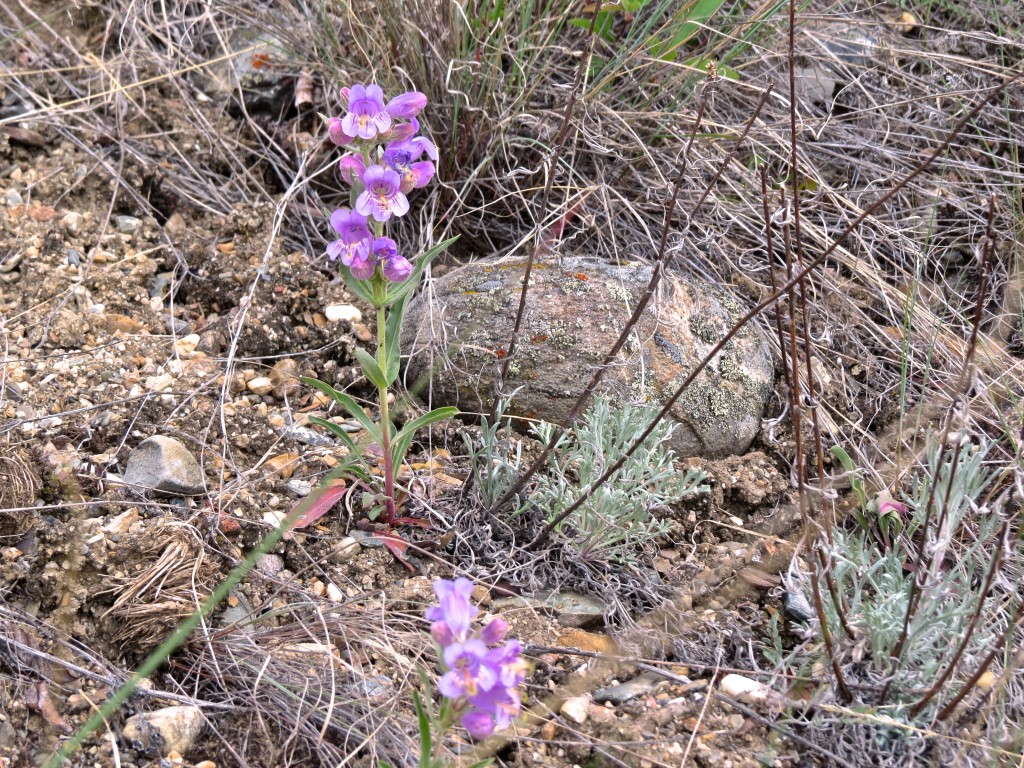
column 576, row 307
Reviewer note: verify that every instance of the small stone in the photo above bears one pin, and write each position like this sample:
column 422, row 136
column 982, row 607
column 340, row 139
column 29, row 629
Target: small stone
column 481, row 595
column 164, row 465
column 309, row 437
column 167, row 730
column 186, row 345
column 270, row 564
column 346, row 312
column 575, row 610
column 72, row 223
column 175, row 224
column 299, row 487
column 590, row 642
column 260, row 385
column 601, row 715
column 282, row 465
column 127, row 224
column 205, row 764
column 13, row 198
column 334, row 594
column 641, row 685
column 746, row 690
column 285, row 378
column 319, row 588
column 345, row 548
column 115, row 322
column 576, row 709
column 362, row 333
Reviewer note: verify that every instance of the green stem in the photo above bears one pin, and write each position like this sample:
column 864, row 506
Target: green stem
column 385, row 423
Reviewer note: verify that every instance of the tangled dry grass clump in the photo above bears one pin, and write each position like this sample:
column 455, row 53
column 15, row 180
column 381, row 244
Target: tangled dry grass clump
column 910, row 326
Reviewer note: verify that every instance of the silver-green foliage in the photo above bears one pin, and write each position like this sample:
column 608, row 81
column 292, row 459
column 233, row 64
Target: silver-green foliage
column 496, row 458
column 875, row 581
column 616, row 522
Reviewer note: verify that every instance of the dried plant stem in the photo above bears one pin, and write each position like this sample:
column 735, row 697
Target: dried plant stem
column 760, row 307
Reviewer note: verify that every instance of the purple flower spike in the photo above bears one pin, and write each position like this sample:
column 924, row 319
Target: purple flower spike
column 351, row 167
column 404, row 131
column 407, row 105
column 383, row 196
column 366, row 116
column 478, row 723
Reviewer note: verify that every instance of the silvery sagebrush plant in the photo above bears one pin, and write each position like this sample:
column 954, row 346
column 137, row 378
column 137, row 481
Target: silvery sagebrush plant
column 481, row 673
column 943, row 533
column 388, row 158
column 616, row 522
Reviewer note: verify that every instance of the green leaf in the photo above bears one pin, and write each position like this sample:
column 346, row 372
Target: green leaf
column 393, row 339
column 353, row 449
column 690, row 19
column 426, row 744
column 349, row 404
column 371, row 368
column 404, row 438
column 603, row 27
column 398, row 291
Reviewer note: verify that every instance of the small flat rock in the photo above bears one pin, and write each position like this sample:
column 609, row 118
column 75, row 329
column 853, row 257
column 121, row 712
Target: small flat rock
column 164, row 465
column 576, row 709
column 575, row 610
column 171, row 729
column 299, row 487
column 345, row 549
column 747, row 690
column 640, row 685
column 346, row 312
column 127, row 224
column 576, row 308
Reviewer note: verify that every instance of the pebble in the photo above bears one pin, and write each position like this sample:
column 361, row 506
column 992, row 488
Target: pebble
column 575, row 610
column 746, row 690
column 186, row 345
column 270, row 565
column 299, row 487
column 164, row 465
column 167, row 730
column 345, row 548
column 13, row 198
column 309, row 437
column 576, row 709
column 72, row 223
column 346, row 312
column 127, row 224
column 285, row 378
column 640, row 685
column 261, row 385
column 334, row 594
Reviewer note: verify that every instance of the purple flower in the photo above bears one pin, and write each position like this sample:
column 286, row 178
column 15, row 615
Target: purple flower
column 396, row 268
column 508, row 663
column 404, row 131
column 363, row 267
column 355, row 241
column 407, row 105
column 383, row 196
column 468, row 673
column 401, row 157
column 494, row 632
column 351, row 167
column 455, row 608
column 491, row 710
column 366, row 116
column 336, row 131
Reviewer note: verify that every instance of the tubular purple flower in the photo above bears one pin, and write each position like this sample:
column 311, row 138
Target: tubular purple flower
column 383, row 196
column 355, row 241
column 407, row 105
column 478, row 723
column 366, row 116
column 351, row 167
column 363, row 267
column 455, row 608
column 397, row 269
column 336, row 132
column 499, row 704
column 403, row 131
column 467, row 674
column 494, row 632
